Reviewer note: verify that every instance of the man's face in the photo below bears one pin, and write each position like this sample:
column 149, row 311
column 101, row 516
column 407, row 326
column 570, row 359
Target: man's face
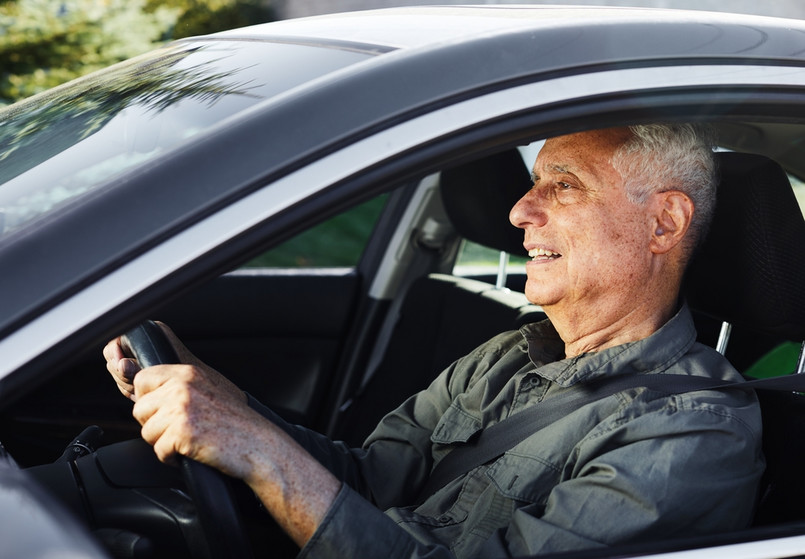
column 588, row 242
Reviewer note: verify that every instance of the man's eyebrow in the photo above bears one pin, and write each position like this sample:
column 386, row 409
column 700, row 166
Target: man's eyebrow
column 556, row 168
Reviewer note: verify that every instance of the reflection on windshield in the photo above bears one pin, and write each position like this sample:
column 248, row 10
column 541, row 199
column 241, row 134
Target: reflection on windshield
column 81, row 110
column 66, row 142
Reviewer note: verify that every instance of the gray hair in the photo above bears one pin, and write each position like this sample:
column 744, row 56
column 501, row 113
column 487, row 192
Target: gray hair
column 671, row 157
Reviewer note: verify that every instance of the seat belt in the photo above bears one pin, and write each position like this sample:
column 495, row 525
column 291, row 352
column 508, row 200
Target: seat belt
column 495, row 440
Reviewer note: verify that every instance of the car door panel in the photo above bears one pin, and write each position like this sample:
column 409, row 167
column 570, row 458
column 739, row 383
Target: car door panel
column 275, row 333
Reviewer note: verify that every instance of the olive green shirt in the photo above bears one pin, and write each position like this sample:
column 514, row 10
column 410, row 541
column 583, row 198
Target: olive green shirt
column 635, row 466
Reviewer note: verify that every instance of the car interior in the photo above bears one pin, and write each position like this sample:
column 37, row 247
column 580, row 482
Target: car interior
column 743, row 287
column 310, row 334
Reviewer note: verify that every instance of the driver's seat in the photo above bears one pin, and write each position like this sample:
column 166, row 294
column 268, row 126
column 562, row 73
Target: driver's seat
column 749, row 274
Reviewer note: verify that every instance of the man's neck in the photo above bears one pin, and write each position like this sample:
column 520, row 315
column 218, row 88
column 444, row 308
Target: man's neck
column 594, row 329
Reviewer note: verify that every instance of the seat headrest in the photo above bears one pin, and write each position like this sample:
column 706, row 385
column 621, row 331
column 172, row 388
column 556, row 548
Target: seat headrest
column 478, row 196
column 751, row 267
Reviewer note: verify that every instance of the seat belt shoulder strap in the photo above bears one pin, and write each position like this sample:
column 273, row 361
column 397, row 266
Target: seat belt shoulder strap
column 496, row 439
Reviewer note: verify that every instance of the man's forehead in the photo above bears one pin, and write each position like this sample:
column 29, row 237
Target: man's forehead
column 581, row 152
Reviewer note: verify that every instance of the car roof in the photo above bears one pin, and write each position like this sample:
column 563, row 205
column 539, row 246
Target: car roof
column 432, row 26
column 434, row 53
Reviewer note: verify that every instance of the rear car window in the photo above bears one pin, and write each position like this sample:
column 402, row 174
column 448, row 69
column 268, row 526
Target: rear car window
column 335, row 243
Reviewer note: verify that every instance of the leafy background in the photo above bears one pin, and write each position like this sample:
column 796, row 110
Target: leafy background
column 44, row 43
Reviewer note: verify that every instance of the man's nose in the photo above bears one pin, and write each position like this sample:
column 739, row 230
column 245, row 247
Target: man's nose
column 528, row 210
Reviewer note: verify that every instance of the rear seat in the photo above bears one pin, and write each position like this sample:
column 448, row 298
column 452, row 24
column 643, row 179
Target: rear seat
column 444, row 317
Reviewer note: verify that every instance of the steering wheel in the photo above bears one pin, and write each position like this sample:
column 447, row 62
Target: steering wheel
column 209, row 488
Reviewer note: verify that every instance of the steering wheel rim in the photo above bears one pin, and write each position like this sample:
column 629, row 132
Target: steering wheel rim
column 209, row 488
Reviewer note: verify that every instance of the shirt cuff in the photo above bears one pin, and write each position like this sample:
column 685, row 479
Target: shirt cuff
column 353, row 527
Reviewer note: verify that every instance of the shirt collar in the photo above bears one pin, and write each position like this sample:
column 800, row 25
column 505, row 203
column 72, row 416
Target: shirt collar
column 653, row 354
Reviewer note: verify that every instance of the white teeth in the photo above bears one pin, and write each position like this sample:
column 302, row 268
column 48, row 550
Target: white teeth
column 537, row 252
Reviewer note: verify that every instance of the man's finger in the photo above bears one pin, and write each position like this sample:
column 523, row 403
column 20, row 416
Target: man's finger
column 128, row 368
column 113, row 351
column 149, row 379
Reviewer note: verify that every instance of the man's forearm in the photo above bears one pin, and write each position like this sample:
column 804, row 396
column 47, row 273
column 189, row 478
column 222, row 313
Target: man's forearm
column 295, row 488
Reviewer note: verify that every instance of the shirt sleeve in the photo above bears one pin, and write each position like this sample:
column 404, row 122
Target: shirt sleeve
column 396, row 460
column 355, row 528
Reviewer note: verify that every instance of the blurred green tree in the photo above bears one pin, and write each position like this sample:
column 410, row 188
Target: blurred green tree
column 198, row 17
column 44, row 43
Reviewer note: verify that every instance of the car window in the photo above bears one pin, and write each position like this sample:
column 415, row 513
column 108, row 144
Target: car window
column 337, row 242
column 477, row 260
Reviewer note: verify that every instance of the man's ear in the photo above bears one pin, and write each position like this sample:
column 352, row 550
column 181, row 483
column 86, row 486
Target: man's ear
column 672, row 216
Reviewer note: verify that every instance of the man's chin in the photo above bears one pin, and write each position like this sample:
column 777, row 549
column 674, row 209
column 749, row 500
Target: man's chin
column 539, row 296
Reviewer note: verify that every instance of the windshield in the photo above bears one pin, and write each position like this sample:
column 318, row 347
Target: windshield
column 67, row 142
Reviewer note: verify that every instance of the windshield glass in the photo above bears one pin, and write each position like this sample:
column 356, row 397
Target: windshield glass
column 67, row 142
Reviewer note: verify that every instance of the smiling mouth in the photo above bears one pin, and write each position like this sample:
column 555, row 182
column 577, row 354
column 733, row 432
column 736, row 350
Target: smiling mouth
column 541, row 254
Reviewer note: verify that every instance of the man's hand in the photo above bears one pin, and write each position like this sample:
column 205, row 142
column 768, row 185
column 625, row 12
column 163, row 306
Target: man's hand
column 183, row 410
column 187, row 410
column 194, row 411
column 123, row 367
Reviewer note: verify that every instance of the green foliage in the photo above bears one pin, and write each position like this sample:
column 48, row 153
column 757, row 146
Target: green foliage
column 44, row 43
column 336, row 242
column 199, row 17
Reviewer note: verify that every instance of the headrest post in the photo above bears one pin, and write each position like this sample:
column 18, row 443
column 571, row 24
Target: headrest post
column 503, row 272
column 723, row 337
column 801, row 360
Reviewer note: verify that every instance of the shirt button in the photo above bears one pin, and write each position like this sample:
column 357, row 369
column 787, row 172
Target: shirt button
column 444, row 519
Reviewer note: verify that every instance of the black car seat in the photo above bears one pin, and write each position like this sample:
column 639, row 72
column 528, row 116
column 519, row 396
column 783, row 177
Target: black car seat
column 749, row 274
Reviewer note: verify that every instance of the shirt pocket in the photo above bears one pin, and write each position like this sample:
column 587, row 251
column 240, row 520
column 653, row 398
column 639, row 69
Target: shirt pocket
column 524, row 477
column 455, row 426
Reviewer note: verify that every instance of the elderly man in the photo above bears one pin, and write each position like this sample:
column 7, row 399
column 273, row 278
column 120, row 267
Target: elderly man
column 610, row 224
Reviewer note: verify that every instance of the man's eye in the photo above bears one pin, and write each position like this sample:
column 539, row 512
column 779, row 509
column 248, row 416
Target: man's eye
column 565, row 186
